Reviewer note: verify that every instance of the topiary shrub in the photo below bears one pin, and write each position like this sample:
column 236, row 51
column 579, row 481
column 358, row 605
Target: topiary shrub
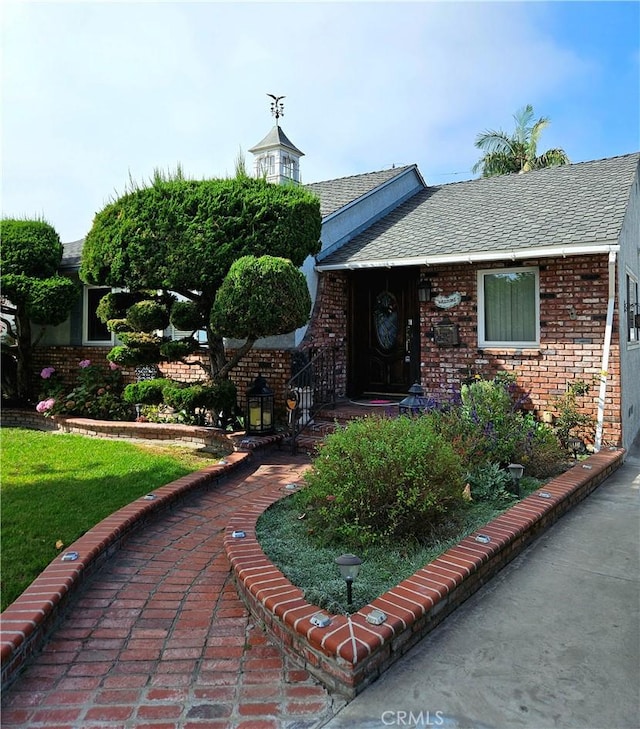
column 147, row 316
column 224, row 398
column 187, row 316
column 178, row 348
column 185, row 398
column 146, row 392
column 383, row 481
column 126, row 356
column 114, row 305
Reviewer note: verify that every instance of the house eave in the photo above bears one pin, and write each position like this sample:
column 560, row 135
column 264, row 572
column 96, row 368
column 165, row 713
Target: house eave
column 413, row 169
column 474, row 257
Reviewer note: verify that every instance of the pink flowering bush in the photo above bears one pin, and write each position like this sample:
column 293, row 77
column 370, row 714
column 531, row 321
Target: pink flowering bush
column 52, row 386
column 45, row 406
column 96, row 394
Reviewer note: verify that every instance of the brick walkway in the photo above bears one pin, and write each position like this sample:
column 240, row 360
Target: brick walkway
column 158, row 638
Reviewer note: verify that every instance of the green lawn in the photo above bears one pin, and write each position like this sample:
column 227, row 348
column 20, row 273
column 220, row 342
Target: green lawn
column 55, row 487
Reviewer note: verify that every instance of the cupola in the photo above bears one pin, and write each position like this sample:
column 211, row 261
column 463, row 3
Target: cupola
column 277, row 159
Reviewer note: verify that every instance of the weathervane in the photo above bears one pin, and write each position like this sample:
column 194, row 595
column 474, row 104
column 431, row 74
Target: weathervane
column 277, row 107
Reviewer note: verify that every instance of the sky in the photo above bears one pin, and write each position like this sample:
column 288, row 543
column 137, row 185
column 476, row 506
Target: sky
column 95, row 94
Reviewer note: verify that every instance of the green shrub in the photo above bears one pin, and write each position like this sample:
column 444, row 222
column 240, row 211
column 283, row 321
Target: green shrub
column 146, row 392
column 382, row 481
column 97, row 394
column 178, row 348
column 542, row 454
column 570, row 419
column 491, row 408
column 224, row 398
column 138, row 348
column 131, row 357
column 114, row 305
column 217, row 398
column 118, row 325
column 186, row 400
column 147, row 316
column 140, row 340
column 187, row 316
column 492, row 484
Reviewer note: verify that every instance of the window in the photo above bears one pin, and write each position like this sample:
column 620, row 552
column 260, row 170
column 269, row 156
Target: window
column 632, row 310
column 94, row 331
column 287, row 167
column 266, row 164
column 508, row 308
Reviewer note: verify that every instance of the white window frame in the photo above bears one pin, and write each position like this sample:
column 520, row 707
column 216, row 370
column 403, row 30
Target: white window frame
column 483, row 342
column 85, row 320
column 632, row 334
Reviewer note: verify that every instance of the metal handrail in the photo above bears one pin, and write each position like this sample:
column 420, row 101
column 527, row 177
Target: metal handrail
column 312, row 388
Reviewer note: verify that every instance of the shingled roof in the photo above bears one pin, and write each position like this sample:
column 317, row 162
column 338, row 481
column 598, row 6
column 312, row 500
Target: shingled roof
column 578, row 205
column 581, row 204
column 71, row 254
column 336, row 194
column 276, row 138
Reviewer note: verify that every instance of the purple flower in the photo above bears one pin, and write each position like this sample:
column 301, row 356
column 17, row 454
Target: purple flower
column 47, row 372
column 44, row 405
column 113, row 366
column 84, row 363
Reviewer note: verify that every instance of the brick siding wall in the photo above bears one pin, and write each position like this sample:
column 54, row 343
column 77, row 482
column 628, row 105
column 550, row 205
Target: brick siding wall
column 328, row 325
column 573, row 306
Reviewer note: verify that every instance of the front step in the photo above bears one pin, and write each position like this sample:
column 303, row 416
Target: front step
column 329, row 418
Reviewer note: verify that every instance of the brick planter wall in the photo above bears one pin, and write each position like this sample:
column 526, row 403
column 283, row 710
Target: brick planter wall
column 351, row 653
column 120, row 429
column 26, row 623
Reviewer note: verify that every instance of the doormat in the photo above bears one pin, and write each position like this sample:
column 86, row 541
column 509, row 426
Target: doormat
column 373, row 403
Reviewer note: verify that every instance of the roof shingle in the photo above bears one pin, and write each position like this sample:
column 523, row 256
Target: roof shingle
column 577, row 204
column 336, row 194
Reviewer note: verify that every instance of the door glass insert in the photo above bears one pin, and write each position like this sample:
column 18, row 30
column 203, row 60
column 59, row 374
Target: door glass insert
column 385, row 318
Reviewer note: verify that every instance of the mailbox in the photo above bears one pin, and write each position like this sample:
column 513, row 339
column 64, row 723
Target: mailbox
column 445, row 334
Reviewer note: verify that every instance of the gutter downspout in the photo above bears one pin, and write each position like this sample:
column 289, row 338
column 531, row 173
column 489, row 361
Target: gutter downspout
column 606, row 348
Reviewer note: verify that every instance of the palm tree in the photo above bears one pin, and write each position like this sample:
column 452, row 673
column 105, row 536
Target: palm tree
column 504, row 154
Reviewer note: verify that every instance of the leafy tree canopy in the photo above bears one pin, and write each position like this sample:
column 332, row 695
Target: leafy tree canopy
column 261, row 297
column 30, row 248
column 183, row 235
column 33, row 292
column 517, row 152
column 180, row 236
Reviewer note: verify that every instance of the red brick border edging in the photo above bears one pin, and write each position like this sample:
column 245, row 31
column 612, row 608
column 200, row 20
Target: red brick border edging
column 351, row 653
column 25, row 624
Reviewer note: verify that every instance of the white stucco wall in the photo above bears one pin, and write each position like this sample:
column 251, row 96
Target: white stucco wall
column 629, row 261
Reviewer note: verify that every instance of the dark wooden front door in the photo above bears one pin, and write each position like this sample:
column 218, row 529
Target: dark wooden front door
column 384, row 331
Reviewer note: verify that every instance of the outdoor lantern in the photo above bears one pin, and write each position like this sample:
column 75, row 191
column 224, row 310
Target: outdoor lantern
column 414, row 403
column 349, row 566
column 259, row 419
column 424, row 290
column 516, row 470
